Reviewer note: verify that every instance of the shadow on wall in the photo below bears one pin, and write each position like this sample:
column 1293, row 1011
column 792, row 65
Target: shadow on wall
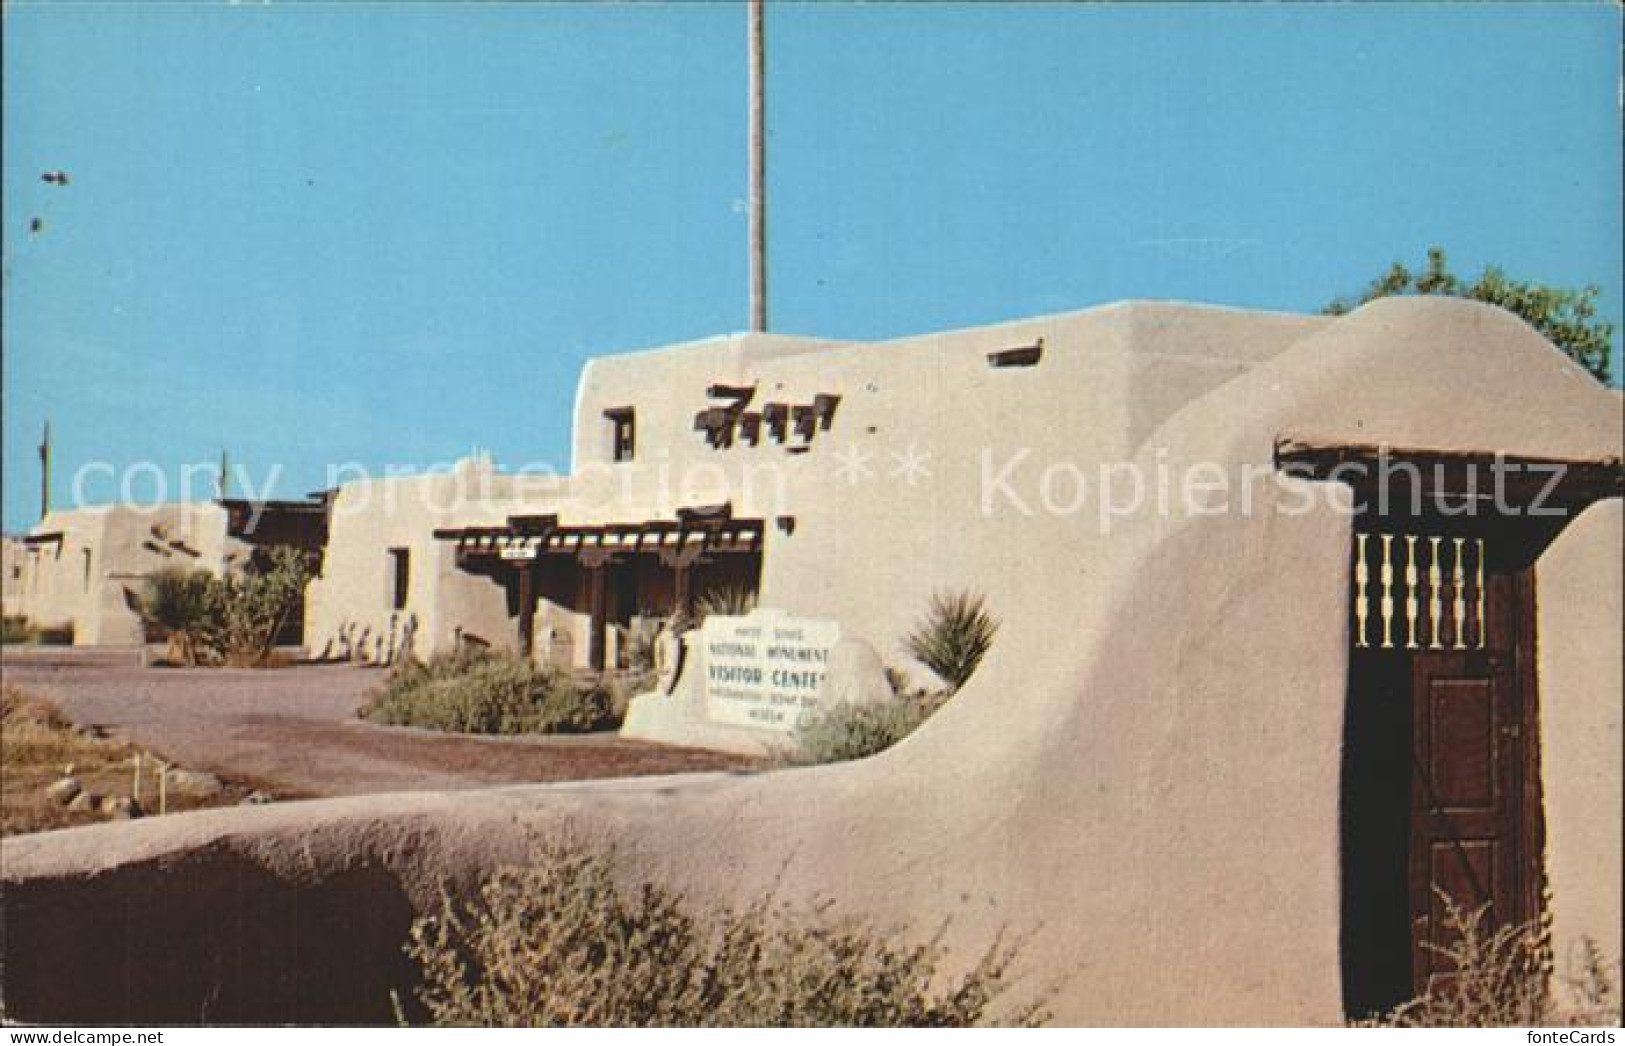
column 360, row 645
column 261, row 949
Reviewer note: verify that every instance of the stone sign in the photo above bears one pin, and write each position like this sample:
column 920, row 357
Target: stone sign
column 764, row 670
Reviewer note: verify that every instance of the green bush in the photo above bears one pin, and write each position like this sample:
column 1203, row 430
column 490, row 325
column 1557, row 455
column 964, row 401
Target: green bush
column 54, row 635
column 251, row 606
column 559, row 943
column 176, row 603
column 16, row 629
column 233, row 619
column 848, row 731
column 484, row 692
column 955, row 635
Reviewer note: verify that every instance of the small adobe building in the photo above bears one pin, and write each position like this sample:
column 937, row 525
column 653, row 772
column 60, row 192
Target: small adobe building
column 1226, row 743
column 82, row 570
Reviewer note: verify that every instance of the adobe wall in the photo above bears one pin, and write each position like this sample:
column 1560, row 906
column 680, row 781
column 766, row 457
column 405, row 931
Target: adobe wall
column 12, row 562
column 1579, row 586
column 1144, row 771
column 124, row 543
column 349, row 607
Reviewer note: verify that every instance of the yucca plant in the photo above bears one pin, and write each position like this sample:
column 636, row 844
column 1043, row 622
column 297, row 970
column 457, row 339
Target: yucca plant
column 180, row 604
column 955, row 635
column 730, row 601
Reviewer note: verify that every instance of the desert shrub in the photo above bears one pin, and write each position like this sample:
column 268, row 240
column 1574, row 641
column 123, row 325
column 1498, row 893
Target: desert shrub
column 956, row 633
column 851, row 731
column 235, row 618
column 251, row 606
column 16, row 629
column 561, row 943
column 54, row 635
column 729, row 601
column 485, row 692
column 1503, row 978
column 177, row 603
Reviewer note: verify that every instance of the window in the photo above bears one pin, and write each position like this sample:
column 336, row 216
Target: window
column 624, row 433
column 87, row 569
column 1020, row 356
column 400, row 563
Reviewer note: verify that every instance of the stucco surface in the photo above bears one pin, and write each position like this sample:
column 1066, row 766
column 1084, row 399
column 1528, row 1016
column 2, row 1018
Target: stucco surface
column 104, row 554
column 1580, row 588
column 1145, row 769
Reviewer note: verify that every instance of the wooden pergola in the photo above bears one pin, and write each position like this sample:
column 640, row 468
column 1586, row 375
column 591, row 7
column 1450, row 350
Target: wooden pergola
column 521, row 544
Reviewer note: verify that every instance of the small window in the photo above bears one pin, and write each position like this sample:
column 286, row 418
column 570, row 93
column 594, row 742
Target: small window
column 1020, row 356
column 400, row 563
column 624, row 433
column 87, row 569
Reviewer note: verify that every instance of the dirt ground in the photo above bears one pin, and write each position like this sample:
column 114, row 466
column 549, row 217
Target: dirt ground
column 294, row 729
column 39, row 747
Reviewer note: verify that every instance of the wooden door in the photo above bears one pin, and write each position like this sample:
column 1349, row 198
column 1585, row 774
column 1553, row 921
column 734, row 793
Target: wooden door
column 1442, row 698
column 1474, row 837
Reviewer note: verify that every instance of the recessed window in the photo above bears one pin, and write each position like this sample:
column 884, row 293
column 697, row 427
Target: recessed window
column 1020, row 356
column 400, row 570
column 87, row 569
column 623, row 433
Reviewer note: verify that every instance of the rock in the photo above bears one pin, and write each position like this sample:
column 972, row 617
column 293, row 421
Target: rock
column 86, row 802
column 121, row 808
column 195, row 784
column 63, row 791
column 257, row 798
column 854, row 675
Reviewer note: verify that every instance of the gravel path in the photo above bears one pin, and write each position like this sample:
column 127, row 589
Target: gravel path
column 294, row 729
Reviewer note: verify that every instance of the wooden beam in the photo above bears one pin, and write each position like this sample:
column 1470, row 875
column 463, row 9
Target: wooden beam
column 1455, row 473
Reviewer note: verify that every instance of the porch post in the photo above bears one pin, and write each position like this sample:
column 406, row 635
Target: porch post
column 680, row 560
column 681, row 600
column 527, row 609
column 598, row 603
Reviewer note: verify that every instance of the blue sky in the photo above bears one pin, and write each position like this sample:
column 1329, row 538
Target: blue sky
column 388, row 233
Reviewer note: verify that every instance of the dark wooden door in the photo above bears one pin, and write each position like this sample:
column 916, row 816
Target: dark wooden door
column 1472, row 836
column 1440, row 783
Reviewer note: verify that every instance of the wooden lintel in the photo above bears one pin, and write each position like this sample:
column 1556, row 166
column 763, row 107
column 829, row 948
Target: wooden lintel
column 1478, row 473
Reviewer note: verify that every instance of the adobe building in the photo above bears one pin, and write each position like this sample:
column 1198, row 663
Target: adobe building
column 13, row 554
column 1231, row 734
column 83, row 569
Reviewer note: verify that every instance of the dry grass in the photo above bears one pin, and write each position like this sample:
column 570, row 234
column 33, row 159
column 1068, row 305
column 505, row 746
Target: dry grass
column 1505, row 978
column 561, row 943
column 39, row 746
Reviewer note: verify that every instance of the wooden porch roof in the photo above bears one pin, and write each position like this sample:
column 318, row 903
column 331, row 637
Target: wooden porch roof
column 527, row 537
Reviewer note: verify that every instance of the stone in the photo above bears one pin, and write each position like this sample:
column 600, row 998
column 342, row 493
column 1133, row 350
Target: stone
column 763, row 671
column 63, row 791
column 257, row 798
column 854, row 675
column 194, row 784
column 121, row 808
column 743, row 684
column 86, row 802
column 668, row 651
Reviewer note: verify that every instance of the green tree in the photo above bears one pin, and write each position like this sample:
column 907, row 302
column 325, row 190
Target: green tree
column 1568, row 318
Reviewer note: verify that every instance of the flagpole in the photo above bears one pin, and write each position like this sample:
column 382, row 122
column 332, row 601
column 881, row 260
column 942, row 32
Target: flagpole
column 45, row 472
column 758, row 173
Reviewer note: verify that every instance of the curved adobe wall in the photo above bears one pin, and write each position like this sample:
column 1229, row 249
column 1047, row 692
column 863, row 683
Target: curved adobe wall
column 1144, row 771
column 1578, row 587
